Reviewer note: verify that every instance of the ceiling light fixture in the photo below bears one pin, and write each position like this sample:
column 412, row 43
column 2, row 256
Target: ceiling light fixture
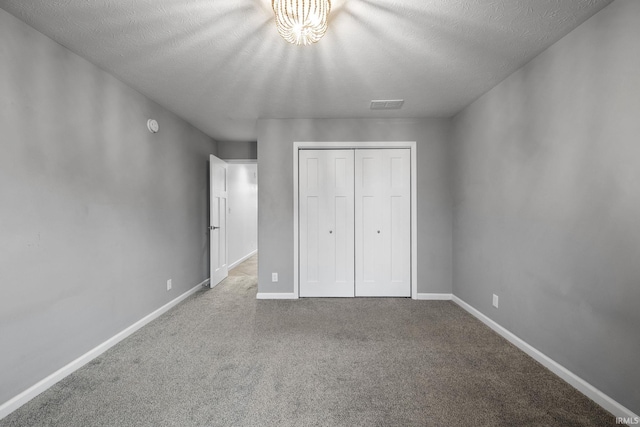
column 301, row 22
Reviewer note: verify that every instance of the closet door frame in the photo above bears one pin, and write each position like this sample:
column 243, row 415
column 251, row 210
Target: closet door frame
column 326, row 145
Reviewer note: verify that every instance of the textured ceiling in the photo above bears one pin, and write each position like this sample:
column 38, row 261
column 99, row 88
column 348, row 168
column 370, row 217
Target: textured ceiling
column 221, row 64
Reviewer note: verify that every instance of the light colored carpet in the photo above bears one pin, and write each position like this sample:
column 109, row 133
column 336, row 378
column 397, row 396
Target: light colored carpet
column 223, row 358
column 249, row 267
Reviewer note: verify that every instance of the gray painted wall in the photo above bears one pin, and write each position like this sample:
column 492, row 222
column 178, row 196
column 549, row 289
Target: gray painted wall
column 96, row 213
column 547, row 202
column 275, row 196
column 237, row 150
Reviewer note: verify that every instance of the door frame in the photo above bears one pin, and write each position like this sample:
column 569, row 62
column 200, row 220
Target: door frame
column 328, row 145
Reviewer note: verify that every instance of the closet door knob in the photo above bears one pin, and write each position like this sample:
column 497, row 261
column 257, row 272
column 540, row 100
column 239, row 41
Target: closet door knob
column 330, row 231
column 378, row 231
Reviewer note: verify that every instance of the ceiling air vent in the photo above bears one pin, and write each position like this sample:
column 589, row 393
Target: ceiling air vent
column 387, row 104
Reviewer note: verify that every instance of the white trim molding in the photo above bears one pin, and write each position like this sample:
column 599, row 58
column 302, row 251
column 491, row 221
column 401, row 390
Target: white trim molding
column 411, row 145
column 272, row 295
column 14, row 403
column 244, row 258
column 572, row 379
column 434, row 297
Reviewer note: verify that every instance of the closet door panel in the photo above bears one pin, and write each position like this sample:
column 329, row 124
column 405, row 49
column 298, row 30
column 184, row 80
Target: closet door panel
column 312, row 239
column 366, row 245
column 383, row 221
column 326, row 212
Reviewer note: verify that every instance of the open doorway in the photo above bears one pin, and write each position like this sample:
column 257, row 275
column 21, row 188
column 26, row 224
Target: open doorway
column 242, row 211
column 242, row 205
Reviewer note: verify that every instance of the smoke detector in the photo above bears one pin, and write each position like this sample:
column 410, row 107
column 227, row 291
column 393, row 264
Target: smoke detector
column 386, row 104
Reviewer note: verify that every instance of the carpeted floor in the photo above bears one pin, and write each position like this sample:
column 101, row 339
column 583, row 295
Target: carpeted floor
column 223, row 358
column 249, row 267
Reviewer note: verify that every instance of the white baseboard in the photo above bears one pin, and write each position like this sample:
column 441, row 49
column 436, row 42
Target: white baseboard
column 244, row 258
column 439, row 297
column 269, row 295
column 575, row 381
column 12, row 404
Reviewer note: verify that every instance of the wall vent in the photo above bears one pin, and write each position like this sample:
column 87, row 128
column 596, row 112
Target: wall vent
column 387, row 104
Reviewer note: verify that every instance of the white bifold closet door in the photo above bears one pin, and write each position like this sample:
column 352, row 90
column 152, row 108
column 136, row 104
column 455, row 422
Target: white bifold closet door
column 355, row 219
column 326, row 203
column 383, row 222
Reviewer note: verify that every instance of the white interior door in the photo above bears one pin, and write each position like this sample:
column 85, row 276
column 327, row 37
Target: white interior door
column 326, row 204
column 383, row 222
column 218, row 220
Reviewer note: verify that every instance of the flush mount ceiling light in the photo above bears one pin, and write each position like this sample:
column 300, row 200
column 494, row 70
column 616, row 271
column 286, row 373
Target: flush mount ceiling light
column 301, row 22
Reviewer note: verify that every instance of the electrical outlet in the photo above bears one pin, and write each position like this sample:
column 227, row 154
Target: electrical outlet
column 495, row 300
column 169, row 284
column 274, row 277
